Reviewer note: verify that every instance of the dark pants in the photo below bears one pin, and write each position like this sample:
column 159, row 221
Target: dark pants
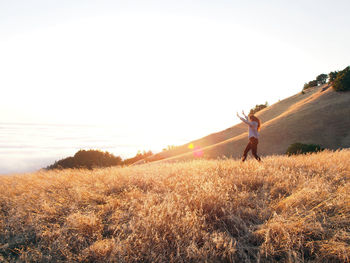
column 252, row 145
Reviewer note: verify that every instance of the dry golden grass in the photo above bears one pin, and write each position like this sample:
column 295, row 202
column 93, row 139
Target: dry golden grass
column 289, row 209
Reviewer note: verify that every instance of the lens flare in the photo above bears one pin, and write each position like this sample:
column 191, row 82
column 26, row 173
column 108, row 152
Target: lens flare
column 198, row 152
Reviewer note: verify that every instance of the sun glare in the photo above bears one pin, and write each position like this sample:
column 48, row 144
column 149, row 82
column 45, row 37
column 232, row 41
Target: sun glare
column 196, row 150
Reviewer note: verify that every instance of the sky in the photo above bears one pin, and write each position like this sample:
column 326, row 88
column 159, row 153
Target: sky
column 181, row 68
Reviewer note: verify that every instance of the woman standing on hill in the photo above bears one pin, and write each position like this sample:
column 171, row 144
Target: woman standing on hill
column 254, row 128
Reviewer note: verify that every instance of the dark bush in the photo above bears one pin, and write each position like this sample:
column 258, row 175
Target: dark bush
column 301, row 148
column 321, row 79
column 332, row 76
column 87, row 159
column 310, row 84
column 259, row 108
column 139, row 156
column 342, row 81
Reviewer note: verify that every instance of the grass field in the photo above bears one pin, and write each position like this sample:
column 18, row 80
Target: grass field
column 289, row 209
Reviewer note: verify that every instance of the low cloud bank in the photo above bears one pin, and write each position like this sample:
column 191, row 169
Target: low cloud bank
column 23, row 165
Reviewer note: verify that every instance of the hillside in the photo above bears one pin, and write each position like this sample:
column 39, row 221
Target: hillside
column 287, row 209
column 320, row 116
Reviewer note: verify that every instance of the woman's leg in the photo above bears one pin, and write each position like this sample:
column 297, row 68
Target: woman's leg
column 255, row 148
column 246, row 150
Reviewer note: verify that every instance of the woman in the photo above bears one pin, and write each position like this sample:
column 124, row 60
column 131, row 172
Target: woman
column 254, row 128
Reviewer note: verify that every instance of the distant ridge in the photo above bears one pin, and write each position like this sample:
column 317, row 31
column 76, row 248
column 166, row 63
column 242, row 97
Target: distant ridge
column 320, row 116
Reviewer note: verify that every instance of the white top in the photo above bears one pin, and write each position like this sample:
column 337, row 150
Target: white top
column 253, row 127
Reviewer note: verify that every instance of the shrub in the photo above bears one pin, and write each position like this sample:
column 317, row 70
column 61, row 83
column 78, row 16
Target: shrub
column 139, row 156
column 342, row 81
column 310, row 84
column 301, row 148
column 169, row 148
column 259, row 108
column 332, row 76
column 87, row 159
column 322, row 79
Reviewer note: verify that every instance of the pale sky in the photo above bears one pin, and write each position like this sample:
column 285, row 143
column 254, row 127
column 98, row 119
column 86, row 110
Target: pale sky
column 181, row 68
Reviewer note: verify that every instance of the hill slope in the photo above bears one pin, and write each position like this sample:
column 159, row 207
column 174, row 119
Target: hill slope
column 286, row 209
column 320, row 116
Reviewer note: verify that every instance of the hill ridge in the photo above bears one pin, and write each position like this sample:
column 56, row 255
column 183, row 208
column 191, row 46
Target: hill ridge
column 294, row 118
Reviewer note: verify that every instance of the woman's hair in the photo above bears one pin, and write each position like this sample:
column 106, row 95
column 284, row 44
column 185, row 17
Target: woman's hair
column 253, row 118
